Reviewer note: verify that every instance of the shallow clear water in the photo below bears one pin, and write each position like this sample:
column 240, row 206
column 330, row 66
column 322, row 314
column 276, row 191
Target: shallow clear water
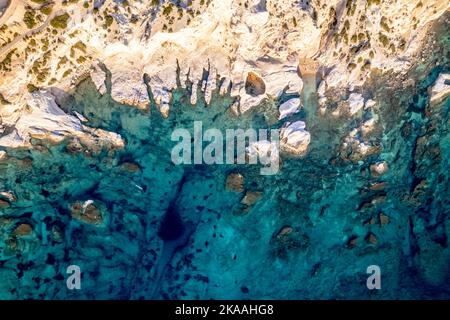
column 162, row 231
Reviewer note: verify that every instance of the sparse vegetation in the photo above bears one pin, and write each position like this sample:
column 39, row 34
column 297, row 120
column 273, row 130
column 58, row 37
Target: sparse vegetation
column 168, row 9
column 351, row 7
column 347, row 24
column 385, row 25
column 80, row 46
column 3, row 101
column 29, row 19
column 47, row 9
column 108, row 21
column 67, row 73
column 32, row 88
column 42, row 75
column 40, row 70
column 60, row 22
column 366, row 66
column 392, row 48
column 372, row 2
column 45, row 44
column 5, row 65
column 62, row 61
column 32, row 42
column 402, row 44
column 383, row 39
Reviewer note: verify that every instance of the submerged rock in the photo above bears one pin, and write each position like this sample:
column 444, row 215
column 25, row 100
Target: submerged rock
column 384, row 219
column 251, row 197
column 249, row 200
column 235, row 182
column 86, row 212
column 4, row 204
column 23, row 229
column 371, row 239
column 284, row 232
column 130, row 167
column 379, row 169
column 8, row 195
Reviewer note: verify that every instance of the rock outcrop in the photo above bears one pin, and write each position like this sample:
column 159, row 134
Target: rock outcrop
column 258, row 48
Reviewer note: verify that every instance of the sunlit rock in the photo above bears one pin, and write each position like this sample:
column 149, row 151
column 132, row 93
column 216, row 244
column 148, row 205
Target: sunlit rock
column 289, row 107
column 294, row 139
column 441, row 88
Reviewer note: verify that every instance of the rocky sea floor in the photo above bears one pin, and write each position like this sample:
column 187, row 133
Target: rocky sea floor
column 155, row 230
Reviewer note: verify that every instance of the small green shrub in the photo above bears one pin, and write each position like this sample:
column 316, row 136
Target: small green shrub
column 32, row 88
column 372, row 2
column 385, row 25
column 47, row 9
column 384, row 40
column 67, row 73
column 108, row 21
column 60, row 22
column 29, row 19
column 3, row 101
column 168, row 10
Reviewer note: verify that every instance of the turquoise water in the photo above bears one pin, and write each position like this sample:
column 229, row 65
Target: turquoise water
column 161, row 231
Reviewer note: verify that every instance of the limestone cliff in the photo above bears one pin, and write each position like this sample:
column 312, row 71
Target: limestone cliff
column 253, row 49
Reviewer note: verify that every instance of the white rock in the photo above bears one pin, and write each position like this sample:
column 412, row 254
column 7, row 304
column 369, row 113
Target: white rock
column 355, row 103
column 289, row 107
column 98, row 77
column 294, row 139
column 322, row 88
column 368, row 126
column 369, row 104
column 441, row 88
column 44, row 119
column 80, row 116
